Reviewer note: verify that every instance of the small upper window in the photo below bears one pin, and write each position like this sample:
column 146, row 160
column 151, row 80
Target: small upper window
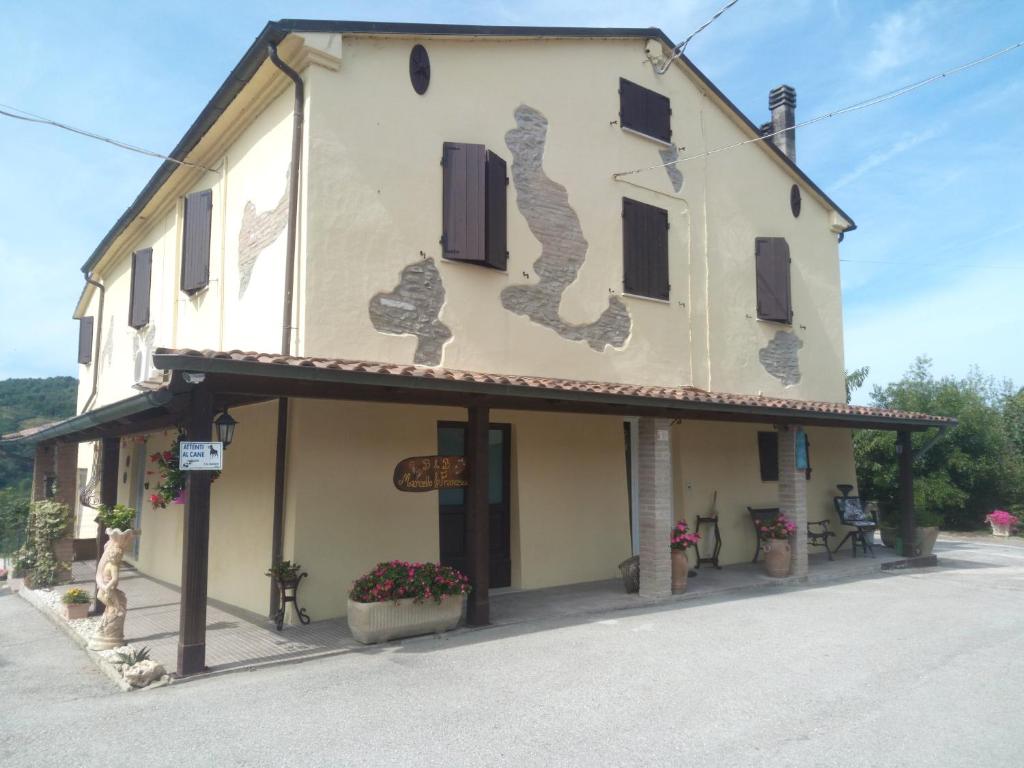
column 644, row 111
column 473, row 206
column 771, row 263
column 195, row 249
column 138, row 302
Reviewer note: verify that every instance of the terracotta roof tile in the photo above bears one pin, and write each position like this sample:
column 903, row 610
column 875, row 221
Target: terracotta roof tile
column 686, row 394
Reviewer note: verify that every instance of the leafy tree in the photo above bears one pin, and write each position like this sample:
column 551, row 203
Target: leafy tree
column 855, row 380
column 973, row 469
column 13, row 519
column 28, row 403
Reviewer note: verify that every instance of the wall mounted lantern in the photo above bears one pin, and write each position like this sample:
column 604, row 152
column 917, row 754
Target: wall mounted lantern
column 225, row 428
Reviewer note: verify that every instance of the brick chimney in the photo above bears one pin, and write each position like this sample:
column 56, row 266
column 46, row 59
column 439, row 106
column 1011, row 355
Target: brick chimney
column 782, row 103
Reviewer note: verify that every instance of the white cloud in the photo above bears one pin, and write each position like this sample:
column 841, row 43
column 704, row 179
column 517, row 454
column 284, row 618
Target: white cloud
column 897, row 40
column 879, row 158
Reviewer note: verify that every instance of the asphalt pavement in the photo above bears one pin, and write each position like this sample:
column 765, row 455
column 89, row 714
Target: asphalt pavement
column 922, row 668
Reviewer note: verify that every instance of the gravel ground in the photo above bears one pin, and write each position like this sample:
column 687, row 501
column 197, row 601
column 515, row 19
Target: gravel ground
column 917, row 668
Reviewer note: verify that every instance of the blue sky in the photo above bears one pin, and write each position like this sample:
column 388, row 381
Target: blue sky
column 934, row 179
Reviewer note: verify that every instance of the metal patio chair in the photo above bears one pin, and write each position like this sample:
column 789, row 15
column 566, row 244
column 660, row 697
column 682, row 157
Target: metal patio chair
column 855, row 514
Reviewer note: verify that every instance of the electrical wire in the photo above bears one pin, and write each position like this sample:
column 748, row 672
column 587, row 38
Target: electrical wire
column 9, row 111
column 678, row 50
column 835, row 113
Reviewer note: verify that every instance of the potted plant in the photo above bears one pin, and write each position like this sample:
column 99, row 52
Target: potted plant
column 926, row 530
column 1002, row 522
column 284, row 573
column 774, row 534
column 401, row 599
column 682, row 540
column 172, row 488
column 118, row 517
column 76, row 603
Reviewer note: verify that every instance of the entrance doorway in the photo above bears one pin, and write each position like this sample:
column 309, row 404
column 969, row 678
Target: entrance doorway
column 451, row 441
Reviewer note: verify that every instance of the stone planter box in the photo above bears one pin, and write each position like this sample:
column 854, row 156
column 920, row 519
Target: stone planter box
column 74, row 611
column 1000, row 530
column 379, row 622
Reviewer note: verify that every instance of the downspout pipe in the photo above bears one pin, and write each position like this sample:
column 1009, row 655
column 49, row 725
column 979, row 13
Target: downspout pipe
column 96, row 342
column 281, row 456
column 298, row 121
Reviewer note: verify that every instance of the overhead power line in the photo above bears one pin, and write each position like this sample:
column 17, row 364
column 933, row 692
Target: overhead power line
column 28, row 117
column 835, row 113
column 939, row 265
column 678, row 50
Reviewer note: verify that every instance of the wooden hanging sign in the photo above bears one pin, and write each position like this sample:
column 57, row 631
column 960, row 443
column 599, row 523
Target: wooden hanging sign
column 430, row 473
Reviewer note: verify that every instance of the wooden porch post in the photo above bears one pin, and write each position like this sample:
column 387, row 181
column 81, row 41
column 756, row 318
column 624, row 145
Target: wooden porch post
column 110, row 457
column 195, row 544
column 478, row 516
column 905, row 456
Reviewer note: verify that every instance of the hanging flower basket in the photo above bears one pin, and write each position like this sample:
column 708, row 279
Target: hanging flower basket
column 173, row 485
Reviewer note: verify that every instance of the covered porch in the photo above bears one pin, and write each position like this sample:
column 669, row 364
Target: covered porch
column 202, row 384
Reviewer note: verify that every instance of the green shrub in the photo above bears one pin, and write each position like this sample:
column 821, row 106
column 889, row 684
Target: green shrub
column 118, row 516
column 48, row 521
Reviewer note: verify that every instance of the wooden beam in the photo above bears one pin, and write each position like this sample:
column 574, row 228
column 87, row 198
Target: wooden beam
column 478, row 516
column 905, row 457
column 280, row 467
column 195, row 549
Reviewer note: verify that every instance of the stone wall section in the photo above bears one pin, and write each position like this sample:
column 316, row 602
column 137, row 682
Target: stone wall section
column 413, row 308
column 544, row 204
column 780, row 357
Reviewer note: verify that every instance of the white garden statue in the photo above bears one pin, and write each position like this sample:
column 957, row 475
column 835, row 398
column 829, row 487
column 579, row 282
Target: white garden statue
column 110, row 632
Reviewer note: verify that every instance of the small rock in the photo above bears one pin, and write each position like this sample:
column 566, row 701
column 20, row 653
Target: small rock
column 143, row 673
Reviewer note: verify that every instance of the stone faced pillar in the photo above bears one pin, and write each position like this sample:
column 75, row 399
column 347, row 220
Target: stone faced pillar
column 793, row 495
column 654, row 483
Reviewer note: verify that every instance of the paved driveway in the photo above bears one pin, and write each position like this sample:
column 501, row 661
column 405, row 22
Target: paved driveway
column 917, row 669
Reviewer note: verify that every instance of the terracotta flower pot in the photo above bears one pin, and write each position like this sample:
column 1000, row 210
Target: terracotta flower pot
column 74, row 611
column 777, row 555
column 680, row 570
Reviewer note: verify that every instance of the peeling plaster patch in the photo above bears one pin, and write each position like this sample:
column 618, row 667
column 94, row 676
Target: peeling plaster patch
column 779, row 357
column 413, row 308
column 258, row 231
column 142, row 350
column 545, row 205
column 674, row 174
column 107, row 354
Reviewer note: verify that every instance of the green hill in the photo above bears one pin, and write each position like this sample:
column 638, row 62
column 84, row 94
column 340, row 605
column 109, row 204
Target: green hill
column 28, row 403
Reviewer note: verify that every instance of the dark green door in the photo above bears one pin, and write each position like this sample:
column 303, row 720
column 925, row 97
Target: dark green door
column 451, row 441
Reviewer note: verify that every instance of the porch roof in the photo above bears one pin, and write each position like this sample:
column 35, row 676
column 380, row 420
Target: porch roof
column 239, row 377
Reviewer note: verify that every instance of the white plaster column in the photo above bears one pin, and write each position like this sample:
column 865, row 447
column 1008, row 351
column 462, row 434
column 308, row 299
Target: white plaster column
column 655, row 503
column 793, row 496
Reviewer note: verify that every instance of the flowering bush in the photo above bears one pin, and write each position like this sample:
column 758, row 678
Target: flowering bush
column 1001, row 517
column 172, row 480
column 682, row 538
column 75, row 596
column 779, row 527
column 399, row 580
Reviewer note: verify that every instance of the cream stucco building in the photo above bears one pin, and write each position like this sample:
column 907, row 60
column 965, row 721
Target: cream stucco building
column 415, row 227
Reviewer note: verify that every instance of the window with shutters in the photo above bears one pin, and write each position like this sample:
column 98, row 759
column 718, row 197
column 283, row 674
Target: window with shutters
column 644, row 111
column 772, row 263
column 138, row 304
column 474, row 205
column 195, row 249
column 644, row 249
column 85, row 332
column 768, row 454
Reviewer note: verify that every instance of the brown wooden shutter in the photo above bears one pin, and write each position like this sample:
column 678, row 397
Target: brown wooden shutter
column 142, row 270
column 85, row 331
column 497, row 213
column 645, row 249
column 644, row 111
column 768, row 454
column 195, row 258
column 463, row 203
column 772, row 264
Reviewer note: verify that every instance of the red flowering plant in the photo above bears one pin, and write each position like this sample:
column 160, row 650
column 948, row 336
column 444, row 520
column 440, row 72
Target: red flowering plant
column 778, row 527
column 682, row 538
column 172, row 480
column 1001, row 517
column 400, row 580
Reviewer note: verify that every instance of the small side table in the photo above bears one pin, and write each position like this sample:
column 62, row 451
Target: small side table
column 713, row 559
column 288, row 591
